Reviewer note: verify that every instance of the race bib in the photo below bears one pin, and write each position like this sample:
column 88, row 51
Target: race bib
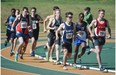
column 69, row 36
column 83, row 34
column 23, row 24
column 102, row 33
column 34, row 25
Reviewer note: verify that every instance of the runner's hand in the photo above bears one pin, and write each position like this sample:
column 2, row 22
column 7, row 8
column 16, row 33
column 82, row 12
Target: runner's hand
column 92, row 35
column 12, row 29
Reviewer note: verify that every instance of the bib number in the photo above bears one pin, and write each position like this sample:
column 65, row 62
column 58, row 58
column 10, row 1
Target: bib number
column 69, row 36
column 34, row 25
column 23, row 24
column 102, row 33
column 83, row 34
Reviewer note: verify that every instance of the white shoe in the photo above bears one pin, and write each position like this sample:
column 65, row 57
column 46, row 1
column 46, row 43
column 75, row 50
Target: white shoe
column 65, row 68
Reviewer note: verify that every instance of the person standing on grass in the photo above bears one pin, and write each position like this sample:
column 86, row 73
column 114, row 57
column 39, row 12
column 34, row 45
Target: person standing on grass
column 35, row 19
column 100, row 24
column 80, row 38
column 8, row 24
column 88, row 19
column 67, row 29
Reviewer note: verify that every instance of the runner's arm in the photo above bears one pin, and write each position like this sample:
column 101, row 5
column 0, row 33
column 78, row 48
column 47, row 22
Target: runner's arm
column 45, row 23
column 58, row 30
column 40, row 19
column 48, row 26
column 109, row 30
column 90, row 28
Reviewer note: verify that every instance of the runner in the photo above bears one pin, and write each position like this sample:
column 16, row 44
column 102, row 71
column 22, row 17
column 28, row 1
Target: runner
column 8, row 24
column 13, row 37
column 22, row 30
column 80, row 38
column 100, row 25
column 53, row 26
column 36, row 19
column 88, row 17
column 67, row 37
column 47, row 19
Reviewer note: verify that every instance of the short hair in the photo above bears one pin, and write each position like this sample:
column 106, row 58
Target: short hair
column 25, row 8
column 101, row 10
column 87, row 9
column 34, row 8
column 18, row 10
column 68, row 13
column 55, row 7
column 81, row 14
column 13, row 9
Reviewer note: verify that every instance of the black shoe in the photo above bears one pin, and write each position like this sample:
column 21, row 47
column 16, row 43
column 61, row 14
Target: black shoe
column 45, row 47
column 5, row 43
column 88, row 52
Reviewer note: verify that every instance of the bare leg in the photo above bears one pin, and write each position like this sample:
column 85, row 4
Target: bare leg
column 57, row 52
column 75, row 53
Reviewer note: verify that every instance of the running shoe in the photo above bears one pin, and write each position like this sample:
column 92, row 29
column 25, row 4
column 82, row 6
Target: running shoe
column 88, row 52
column 21, row 56
column 58, row 62
column 74, row 66
column 16, row 57
column 45, row 47
column 32, row 53
column 12, row 52
column 102, row 68
column 65, row 68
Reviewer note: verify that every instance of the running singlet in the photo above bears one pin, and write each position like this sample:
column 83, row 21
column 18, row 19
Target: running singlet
column 22, row 25
column 100, row 29
column 55, row 23
column 82, row 28
column 67, row 33
column 35, row 22
column 10, row 20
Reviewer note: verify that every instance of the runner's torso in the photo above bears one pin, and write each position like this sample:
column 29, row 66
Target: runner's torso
column 67, row 33
column 100, row 28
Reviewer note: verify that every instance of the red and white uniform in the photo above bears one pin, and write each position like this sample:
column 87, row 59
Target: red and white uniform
column 100, row 28
column 22, row 26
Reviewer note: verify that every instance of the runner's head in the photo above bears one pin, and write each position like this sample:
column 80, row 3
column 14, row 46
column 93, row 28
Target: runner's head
column 57, row 13
column 25, row 11
column 101, row 13
column 17, row 12
column 87, row 10
column 33, row 10
column 69, row 16
column 13, row 11
column 81, row 17
column 55, row 8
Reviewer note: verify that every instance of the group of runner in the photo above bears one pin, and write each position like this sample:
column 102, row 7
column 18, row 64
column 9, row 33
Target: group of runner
column 24, row 26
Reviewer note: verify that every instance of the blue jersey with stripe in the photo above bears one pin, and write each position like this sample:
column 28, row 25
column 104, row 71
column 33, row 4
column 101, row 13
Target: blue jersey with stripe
column 83, row 29
column 10, row 20
column 67, row 33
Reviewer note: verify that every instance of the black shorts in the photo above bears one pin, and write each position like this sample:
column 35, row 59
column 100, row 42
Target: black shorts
column 8, row 34
column 68, row 47
column 36, row 34
column 51, row 39
column 98, row 41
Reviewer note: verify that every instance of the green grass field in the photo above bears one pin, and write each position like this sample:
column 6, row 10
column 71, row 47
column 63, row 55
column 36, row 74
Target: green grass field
column 44, row 8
